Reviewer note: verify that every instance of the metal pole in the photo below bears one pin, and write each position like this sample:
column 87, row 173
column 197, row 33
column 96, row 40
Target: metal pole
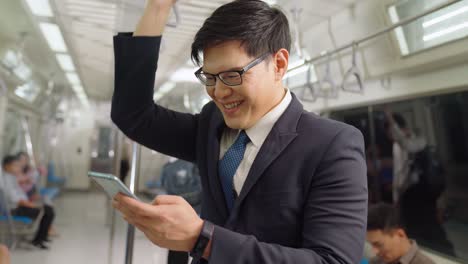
column 375, row 180
column 28, row 140
column 117, row 157
column 378, row 33
column 136, row 153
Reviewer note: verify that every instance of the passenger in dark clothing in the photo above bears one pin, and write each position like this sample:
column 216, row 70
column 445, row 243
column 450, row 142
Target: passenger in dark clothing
column 20, row 205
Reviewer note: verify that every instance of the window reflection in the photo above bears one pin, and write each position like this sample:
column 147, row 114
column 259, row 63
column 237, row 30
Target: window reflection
column 435, row 217
column 447, row 24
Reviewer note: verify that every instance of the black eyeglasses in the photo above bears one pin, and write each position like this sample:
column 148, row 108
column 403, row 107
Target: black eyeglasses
column 230, row 78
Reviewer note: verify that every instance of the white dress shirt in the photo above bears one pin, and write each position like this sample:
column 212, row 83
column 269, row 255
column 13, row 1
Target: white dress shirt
column 402, row 148
column 11, row 190
column 257, row 135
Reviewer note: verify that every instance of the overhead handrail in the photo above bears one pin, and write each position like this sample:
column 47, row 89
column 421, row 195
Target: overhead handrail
column 296, row 13
column 309, row 87
column 328, row 79
column 378, row 33
column 28, row 140
column 386, row 82
column 353, row 72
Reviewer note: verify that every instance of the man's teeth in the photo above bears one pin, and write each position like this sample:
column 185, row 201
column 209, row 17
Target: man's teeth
column 233, row 105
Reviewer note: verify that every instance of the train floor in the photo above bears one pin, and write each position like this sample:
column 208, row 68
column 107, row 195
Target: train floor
column 84, row 236
column 83, row 224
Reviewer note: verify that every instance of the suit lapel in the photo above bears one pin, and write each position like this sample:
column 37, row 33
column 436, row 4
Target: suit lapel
column 214, row 137
column 281, row 135
column 274, row 144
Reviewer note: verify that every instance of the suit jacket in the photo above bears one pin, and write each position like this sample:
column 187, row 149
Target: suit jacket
column 305, row 197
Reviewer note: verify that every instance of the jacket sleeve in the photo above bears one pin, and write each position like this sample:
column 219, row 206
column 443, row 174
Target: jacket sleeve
column 133, row 109
column 334, row 216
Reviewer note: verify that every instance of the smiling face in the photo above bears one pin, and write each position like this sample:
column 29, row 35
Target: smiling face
column 261, row 89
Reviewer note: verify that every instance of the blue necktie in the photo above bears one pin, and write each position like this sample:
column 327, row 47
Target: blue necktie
column 228, row 165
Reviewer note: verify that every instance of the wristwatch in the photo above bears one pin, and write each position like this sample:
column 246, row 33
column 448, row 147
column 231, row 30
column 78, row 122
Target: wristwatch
column 202, row 241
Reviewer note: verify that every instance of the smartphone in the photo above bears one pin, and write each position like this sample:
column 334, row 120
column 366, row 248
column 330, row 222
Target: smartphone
column 111, row 184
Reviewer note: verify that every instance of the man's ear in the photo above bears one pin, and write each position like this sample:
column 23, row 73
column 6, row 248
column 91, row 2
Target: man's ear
column 281, row 60
column 400, row 233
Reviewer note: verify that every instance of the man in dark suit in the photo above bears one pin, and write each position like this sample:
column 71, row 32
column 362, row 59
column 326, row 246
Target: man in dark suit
column 280, row 185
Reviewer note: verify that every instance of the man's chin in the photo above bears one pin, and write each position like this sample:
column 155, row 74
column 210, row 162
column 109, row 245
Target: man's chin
column 234, row 123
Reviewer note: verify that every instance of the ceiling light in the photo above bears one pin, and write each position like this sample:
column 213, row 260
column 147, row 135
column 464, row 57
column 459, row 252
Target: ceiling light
column 73, row 78
column 400, row 35
column 166, row 87
column 65, row 62
column 22, row 71
column 157, row 96
column 10, row 60
column 270, row 2
column 78, row 89
column 40, row 8
column 28, row 91
column 445, row 17
column 445, row 32
column 54, row 37
column 393, row 15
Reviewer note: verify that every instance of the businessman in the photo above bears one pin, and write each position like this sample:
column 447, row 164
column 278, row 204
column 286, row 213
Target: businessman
column 280, row 184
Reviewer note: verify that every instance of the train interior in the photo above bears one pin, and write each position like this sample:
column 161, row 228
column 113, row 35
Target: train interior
column 352, row 60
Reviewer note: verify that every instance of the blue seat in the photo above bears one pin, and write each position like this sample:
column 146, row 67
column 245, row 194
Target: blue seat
column 364, row 261
column 19, row 219
column 50, row 192
column 51, row 177
column 152, row 184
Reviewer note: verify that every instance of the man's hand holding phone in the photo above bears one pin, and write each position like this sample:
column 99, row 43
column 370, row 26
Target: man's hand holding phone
column 169, row 221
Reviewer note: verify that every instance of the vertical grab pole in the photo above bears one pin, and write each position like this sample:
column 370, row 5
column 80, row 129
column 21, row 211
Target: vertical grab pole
column 118, row 154
column 136, row 153
column 373, row 139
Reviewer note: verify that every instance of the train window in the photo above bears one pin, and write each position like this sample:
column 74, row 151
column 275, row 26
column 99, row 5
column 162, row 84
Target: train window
column 435, row 216
column 445, row 25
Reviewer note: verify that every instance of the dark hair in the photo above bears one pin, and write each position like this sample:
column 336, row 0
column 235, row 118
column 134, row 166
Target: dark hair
column 260, row 27
column 7, row 160
column 383, row 217
column 399, row 120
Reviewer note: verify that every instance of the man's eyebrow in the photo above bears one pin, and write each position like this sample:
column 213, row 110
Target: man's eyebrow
column 230, row 69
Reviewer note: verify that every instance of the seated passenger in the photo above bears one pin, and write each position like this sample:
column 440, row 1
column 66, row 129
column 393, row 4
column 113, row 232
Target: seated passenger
column 4, row 255
column 29, row 178
column 389, row 240
column 20, row 205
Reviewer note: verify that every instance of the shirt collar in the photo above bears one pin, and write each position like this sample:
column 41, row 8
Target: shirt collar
column 409, row 256
column 262, row 128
